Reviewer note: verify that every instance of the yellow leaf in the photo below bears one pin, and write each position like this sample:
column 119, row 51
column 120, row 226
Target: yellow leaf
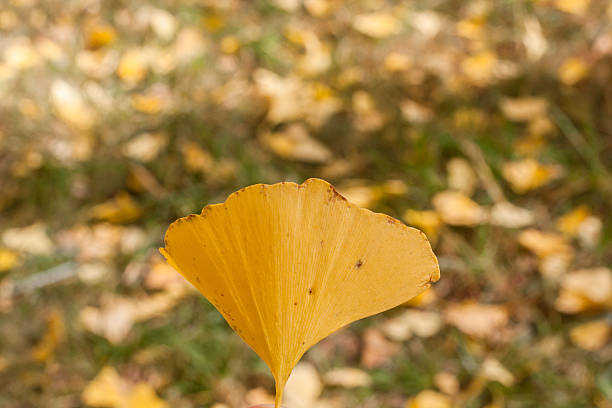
column 478, row 320
column 32, row 239
column 196, row 159
column 447, row 382
column 578, row 7
column 524, row 109
column 133, row 66
column 347, row 377
column 295, row 143
column 455, row 208
column 145, row 146
column 143, row 396
column 592, row 335
column 505, row 214
column 415, row 113
column 472, row 28
column 70, row 106
column 479, row 67
column 303, row 387
column 150, row 104
column 461, row 176
column 569, row 223
column 287, row 265
column 100, row 35
column 109, row 390
column 573, row 70
column 8, row 259
column 45, row 348
column 585, row 289
column 429, row 399
column 120, row 209
column 230, row 44
column 396, row 62
column 105, row 390
column 529, row 174
column 493, row 370
column 544, row 244
column 360, row 193
column 376, row 25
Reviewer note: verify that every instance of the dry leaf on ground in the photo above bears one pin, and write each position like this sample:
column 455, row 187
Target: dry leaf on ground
column 591, row 336
column 32, row 239
column 528, row 174
column 429, row 399
column 478, row 320
column 303, row 387
column 456, row 208
column 585, row 289
column 347, row 377
column 109, row 390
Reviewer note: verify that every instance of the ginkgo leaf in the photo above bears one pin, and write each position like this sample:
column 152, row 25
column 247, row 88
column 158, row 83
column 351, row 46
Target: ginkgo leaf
column 287, row 265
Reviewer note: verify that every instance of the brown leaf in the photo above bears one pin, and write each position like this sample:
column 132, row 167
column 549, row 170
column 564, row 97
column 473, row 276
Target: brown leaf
column 377, row 350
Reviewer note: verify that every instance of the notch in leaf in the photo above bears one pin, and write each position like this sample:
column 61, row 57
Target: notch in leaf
column 287, row 264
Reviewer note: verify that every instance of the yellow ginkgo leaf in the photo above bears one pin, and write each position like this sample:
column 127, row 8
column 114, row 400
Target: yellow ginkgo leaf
column 287, row 265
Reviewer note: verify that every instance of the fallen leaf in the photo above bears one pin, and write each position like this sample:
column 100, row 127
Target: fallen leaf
column 8, row 259
column 543, row 244
column 32, row 239
column 367, row 117
column 133, row 66
column 196, row 159
column 524, row 109
column 303, row 387
column 100, row 35
column 573, row 70
column 528, row 174
column 360, row 193
column 479, row 68
column 447, row 382
column 121, row 209
column 456, row 208
column 115, row 318
column 92, row 273
column 45, row 348
column 145, row 147
column 569, row 223
column 591, row 336
column 578, row 7
column 417, row 322
column 461, row 176
column 347, row 377
column 377, row 25
column 585, row 289
column 397, row 62
column 475, row 319
column 415, row 113
column 493, row 370
column 294, row 143
column 429, row 399
column 70, row 105
column 109, row 390
column 257, row 396
column 377, row 350
column 505, row 214
column 534, row 40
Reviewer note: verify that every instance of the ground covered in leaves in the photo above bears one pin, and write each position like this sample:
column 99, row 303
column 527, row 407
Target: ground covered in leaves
column 486, row 124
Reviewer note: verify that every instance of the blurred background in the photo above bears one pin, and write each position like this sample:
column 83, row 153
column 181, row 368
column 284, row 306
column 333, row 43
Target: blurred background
column 487, row 124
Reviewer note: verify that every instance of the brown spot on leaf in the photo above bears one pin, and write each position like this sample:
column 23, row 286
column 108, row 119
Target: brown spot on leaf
column 358, row 263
